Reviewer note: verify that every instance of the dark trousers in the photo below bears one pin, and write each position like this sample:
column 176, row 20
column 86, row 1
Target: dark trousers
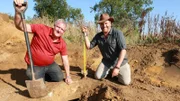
column 52, row 71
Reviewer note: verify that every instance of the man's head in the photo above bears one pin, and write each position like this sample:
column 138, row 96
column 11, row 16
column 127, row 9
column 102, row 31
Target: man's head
column 59, row 28
column 105, row 22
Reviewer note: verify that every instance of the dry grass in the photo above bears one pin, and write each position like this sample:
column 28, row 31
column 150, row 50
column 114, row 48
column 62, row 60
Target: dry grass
column 73, row 32
column 159, row 29
column 162, row 29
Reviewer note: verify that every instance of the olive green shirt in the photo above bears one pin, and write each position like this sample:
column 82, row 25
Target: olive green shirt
column 111, row 46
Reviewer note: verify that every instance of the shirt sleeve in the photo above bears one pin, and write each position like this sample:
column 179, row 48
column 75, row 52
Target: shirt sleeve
column 93, row 42
column 63, row 50
column 121, row 40
column 36, row 28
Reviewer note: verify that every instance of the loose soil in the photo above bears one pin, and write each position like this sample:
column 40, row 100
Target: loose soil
column 155, row 72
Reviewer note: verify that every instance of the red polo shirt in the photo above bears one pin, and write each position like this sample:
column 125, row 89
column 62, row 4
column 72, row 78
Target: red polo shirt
column 42, row 46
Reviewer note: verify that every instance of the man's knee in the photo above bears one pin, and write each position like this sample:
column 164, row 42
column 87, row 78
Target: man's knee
column 98, row 76
column 125, row 82
column 29, row 74
column 58, row 78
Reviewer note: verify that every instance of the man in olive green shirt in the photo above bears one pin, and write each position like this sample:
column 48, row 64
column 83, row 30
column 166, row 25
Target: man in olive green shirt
column 112, row 45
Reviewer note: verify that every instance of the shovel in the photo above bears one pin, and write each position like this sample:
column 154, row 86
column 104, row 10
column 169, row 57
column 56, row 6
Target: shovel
column 36, row 87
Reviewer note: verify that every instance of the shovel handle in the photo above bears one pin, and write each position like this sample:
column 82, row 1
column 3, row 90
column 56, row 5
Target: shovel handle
column 28, row 47
column 22, row 13
column 25, row 4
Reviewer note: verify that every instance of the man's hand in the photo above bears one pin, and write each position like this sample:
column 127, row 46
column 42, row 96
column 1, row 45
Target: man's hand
column 84, row 30
column 68, row 80
column 115, row 71
column 20, row 5
column 19, row 2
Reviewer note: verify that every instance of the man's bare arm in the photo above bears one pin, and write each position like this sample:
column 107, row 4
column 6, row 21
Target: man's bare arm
column 17, row 17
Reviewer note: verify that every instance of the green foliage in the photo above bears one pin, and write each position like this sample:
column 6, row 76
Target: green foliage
column 123, row 10
column 133, row 37
column 54, row 9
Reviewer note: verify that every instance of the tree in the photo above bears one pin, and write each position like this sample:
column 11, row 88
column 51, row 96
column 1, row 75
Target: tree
column 57, row 9
column 123, row 11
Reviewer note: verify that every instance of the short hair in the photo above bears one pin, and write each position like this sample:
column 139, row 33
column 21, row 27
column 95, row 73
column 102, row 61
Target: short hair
column 60, row 21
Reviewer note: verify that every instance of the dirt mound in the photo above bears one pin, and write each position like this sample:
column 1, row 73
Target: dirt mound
column 155, row 61
column 155, row 73
column 103, row 93
column 4, row 17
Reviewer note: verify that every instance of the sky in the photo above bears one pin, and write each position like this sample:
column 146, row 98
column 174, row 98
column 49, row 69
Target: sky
column 160, row 7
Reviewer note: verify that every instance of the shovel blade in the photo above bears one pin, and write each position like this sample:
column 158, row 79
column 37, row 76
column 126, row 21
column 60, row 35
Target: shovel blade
column 36, row 88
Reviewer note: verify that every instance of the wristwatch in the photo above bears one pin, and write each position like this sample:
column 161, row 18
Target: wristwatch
column 69, row 77
column 117, row 67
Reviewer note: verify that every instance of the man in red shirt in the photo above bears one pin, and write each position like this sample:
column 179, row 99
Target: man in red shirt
column 45, row 44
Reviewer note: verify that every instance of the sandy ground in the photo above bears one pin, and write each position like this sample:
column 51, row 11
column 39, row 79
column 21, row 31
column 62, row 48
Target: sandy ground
column 155, row 73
